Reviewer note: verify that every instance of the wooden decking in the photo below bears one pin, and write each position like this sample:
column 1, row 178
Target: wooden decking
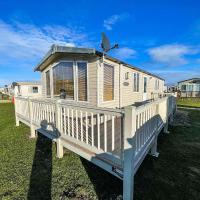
column 116, row 140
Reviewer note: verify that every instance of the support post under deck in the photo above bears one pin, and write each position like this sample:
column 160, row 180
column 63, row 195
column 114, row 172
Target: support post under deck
column 153, row 150
column 59, row 149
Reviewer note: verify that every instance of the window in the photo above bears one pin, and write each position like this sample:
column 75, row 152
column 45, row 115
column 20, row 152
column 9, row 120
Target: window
column 82, row 81
column 48, row 91
column 108, row 83
column 35, row 90
column 183, row 87
column 136, row 82
column 19, row 89
column 190, row 88
column 63, row 79
column 145, row 84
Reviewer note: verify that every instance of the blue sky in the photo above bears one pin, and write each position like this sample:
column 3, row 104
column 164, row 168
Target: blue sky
column 162, row 37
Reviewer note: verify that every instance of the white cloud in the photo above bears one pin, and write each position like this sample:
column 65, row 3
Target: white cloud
column 125, row 53
column 112, row 20
column 171, row 54
column 29, row 41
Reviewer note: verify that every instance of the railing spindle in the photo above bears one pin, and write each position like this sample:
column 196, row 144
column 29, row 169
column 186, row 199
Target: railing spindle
column 105, row 132
column 92, row 129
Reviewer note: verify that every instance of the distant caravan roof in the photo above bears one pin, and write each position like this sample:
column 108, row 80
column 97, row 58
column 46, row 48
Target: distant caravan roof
column 26, row 83
column 56, row 49
column 191, row 80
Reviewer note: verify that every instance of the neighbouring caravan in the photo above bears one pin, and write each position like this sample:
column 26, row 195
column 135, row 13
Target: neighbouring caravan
column 27, row 89
column 189, row 87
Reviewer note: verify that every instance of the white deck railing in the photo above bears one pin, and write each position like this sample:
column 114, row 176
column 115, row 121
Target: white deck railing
column 98, row 128
column 124, row 135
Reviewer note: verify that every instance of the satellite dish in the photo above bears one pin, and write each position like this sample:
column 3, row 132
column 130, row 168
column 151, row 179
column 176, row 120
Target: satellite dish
column 105, row 43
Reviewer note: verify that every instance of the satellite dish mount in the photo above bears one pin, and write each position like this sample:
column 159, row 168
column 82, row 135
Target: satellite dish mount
column 105, row 44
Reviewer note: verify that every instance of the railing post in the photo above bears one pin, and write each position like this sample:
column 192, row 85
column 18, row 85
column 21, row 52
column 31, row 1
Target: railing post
column 129, row 152
column 166, row 116
column 153, row 150
column 16, row 117
column 58, row 122
column 30, row 118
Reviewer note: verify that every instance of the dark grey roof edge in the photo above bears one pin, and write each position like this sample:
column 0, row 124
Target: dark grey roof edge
column 189, row 79
column 64, row 49
column 128, row 65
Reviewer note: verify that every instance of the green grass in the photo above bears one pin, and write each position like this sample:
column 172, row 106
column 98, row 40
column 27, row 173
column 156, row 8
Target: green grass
column 189, row 102
column 29, row 168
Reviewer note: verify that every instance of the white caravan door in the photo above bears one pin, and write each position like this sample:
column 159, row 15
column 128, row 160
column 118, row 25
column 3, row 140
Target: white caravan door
column 145, row 89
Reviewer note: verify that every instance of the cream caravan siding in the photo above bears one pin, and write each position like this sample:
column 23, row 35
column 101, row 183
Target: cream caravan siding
column 92, row 78
column 114, row 103
column 128, row 96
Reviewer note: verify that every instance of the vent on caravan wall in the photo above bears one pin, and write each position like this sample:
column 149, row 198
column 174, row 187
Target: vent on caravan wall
column 105, row 43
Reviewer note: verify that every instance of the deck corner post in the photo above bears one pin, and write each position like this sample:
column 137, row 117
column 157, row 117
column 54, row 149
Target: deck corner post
column 129, row 152
column 59, row 146
column 33, row 132
column 16, row 120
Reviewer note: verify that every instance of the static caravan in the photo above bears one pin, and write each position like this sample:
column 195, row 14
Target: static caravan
column 27, row 89
column 8, row 90
column 87, row 77
column 189, row 87
column 99, row 107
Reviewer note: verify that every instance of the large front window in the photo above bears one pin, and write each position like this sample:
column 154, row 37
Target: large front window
column 108, row 83
column 63, row 79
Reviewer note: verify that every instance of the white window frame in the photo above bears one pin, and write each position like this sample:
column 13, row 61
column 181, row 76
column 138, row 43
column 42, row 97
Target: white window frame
column 137, row 81
column 74, row 77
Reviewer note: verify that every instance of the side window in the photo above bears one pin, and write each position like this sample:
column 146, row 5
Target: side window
column 145, row 84
column 108, row 83
column 183, row 87
column 156, row 87
column 35, row 89
column 136, row 81
column 48, row 91
column 82, row 81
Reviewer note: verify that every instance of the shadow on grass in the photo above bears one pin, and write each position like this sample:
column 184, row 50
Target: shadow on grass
column 106, row 185
column 41, row 174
